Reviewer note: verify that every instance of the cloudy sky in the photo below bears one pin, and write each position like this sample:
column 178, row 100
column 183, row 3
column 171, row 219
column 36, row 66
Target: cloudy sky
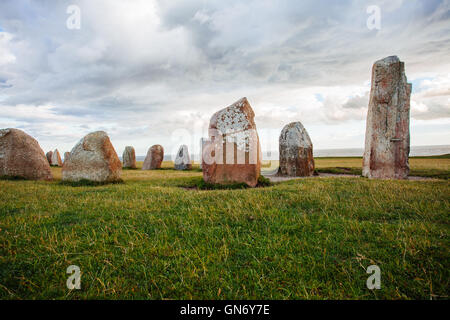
column 153, row 72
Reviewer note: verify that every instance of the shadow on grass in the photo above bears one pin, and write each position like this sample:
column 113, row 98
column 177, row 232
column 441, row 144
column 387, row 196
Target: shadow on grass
column 89, row 183
column 13, row 178
column 198, row 183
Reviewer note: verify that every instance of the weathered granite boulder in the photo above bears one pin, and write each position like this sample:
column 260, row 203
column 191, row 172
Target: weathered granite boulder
column 129, row 158
column 56, row 159
column 183, row 159
column 386, row 154
column 93, row 158
column 296, row 151
column 233, row 154
column 22, row 157
column 66, row 156
column 154, row 158
column 49, row 155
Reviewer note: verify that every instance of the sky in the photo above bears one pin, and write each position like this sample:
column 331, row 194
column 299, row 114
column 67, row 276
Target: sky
column 153, row 72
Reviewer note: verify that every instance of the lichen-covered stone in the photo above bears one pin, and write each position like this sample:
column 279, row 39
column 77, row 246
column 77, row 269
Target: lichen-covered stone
column 129, row 158
column 22, row 157
column 386, row 154
column 93, row 158
column 183, row 159
column 154, row 158
column 296, row 151
column 233, row 153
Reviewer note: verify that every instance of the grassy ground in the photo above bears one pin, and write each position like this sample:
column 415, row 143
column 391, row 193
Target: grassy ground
column 155, row 237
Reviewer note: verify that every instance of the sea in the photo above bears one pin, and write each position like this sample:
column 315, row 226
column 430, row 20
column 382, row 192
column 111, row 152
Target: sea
column 416, row 151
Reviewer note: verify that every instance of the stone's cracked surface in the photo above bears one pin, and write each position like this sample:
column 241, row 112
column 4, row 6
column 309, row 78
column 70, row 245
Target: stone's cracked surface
column 21, row 156
column 129, row 157
column 154, row 158
column 387, row 144
column 93, row 158
column 296, row 151
column 183, row 160
column 233, row 153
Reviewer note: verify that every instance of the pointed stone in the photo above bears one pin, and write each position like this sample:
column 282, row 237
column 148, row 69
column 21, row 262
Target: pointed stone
column 233, row 153
column 183, row 159
column 386, row 154
column 56, row 159
column 22, row 157
column 296, row 151
column 93, row 158
column 48, row 155
column 154, row 158
column 129, row 158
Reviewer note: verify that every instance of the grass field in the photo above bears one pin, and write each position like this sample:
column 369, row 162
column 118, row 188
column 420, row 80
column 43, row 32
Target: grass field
column 155, row 237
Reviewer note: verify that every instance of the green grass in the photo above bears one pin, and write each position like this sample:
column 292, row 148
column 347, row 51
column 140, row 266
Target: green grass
column 152, row 238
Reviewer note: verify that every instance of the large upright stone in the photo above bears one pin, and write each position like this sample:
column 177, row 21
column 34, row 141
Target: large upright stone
column 183, row 159
column 93, row 158
column 296, row 151
column 56, row 159
column 233, row 154
column 22, row 157
column 154, row 158
column 129, row 158
column 386, row 152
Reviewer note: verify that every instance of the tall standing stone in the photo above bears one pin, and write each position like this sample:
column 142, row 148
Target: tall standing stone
column 296, row 151
column 154, row 158
column 93, row 158
column 183, row 159
column 22, row 157
column 56, row 159
column 386, row 153
column 233, row 153
column 129, row 158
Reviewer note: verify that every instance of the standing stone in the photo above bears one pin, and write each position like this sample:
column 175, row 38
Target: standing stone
column 49, row 155
column 296, row 151
column 66, row 156
column 183, row 160
column 203, row 142
column 93, row 158
column 22, row 157
column 233, row 154
column 386, row 153
column 154, row 158
column 129, row 158
column 56, row 159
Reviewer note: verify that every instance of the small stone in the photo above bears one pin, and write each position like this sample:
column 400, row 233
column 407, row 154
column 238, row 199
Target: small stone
column 154, row 158
column 129, row 158
column 183, row 160
column 296, row 151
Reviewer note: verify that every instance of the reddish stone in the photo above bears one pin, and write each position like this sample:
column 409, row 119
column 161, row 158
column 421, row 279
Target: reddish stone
column 154, row 158
column 233, row 153
column 21, row 156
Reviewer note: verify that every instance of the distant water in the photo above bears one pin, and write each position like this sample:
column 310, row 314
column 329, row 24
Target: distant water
column 418, row 151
